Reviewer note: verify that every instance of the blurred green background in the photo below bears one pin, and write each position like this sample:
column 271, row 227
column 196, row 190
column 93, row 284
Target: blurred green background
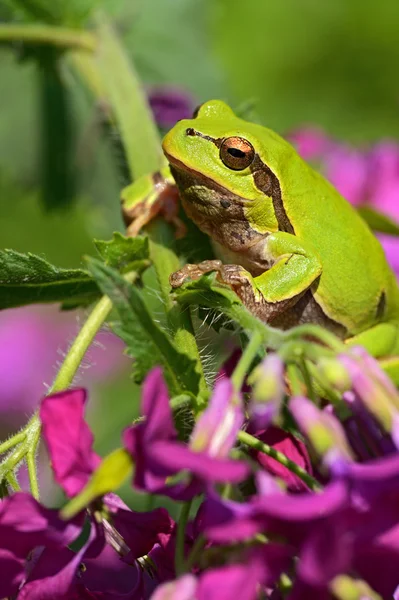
column 332, row 64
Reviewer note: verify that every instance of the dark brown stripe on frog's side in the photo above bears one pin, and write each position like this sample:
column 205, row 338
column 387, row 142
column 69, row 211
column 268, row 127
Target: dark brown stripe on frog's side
column 381, row 306
column 267, row 182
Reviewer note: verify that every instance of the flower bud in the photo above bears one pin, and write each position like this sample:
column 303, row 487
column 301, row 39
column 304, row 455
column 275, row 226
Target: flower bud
column 267, row 381
column 323, row 430
column 346, row 588
column 374, row 389
column 335, row 374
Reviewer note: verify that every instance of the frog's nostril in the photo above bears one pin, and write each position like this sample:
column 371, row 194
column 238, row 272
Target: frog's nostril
column 190, row 131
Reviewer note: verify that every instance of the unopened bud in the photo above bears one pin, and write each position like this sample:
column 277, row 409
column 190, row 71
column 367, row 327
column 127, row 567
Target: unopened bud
column 267, row 381
column 335, row 374
column 323, row 430
column 345, row 588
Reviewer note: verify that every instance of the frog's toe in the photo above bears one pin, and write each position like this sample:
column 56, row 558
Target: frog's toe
column 192, row 272
column 210, row 265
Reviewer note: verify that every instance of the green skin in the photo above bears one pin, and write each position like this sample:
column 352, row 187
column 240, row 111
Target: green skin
column 292, row 248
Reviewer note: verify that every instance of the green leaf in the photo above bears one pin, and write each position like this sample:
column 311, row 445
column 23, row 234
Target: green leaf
column 124, row 253
column 377, row 221
column 108, row 477
column 207, row 293
column 146, row 341
column 29, row 279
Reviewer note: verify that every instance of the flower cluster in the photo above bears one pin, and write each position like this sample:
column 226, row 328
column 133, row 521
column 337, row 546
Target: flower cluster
column 269, row 520
column 364, row 176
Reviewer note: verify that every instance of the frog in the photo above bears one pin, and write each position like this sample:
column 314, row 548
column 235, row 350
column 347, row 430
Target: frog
column 285, row 240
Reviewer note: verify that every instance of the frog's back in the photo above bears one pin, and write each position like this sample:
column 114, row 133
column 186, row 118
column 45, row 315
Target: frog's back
column 357, row 286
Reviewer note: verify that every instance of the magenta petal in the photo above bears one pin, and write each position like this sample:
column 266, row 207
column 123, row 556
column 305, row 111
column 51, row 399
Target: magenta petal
column 216, row 430
column 12, row 573
column 110, row 577
column 348, row 171
column 25, row 524
column 227, row 521
column 141, row 530
column 183, row 588
column 69, row 439
column 156, row 409
column 305, row 507
column 54, row 575
column 207, row 468
column 289, row 445
column 230, row 582
column 311, row 143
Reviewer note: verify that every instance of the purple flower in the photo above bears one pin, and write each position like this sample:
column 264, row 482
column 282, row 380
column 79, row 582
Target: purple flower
column 25, row 525
column 268, row 389
column 261, row 567
column 289, row 445
column 373, row 389
column 390, row 245
column 120, row 533
column 348, row 171
column 322, row 428
column 169, row 105
column 31, row 339
column 384, row 178
column 158, row 455
column 311, row 143
column 68, row 439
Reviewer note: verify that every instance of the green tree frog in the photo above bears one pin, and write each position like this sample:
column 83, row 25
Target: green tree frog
column 287, row 243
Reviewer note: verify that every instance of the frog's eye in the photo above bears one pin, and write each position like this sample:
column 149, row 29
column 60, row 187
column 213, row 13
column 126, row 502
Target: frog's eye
column 237, row 153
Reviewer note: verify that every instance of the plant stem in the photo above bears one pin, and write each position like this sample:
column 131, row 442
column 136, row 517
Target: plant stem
column 80, row 345
column 315, row 331
column 195, row 551
column 27, row 440
column 12, row 441
column 180, row 538
column 253, row 442
column 46, row 34
column 247, row 357
column 294, row 378
column 132, row 113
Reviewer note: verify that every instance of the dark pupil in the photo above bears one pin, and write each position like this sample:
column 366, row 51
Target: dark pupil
column 236, row 153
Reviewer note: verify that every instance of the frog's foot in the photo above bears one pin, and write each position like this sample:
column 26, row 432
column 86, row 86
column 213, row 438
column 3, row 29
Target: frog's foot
column 240, row 281
column 235, row 276
column 192, row 272
column 160, row 198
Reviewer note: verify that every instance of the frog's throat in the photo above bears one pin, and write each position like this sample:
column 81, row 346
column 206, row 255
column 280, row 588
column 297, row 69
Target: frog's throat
column 264, row 179
column 217, row 211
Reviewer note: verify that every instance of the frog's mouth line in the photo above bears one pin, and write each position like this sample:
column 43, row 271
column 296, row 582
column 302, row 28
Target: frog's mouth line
column 222, row 194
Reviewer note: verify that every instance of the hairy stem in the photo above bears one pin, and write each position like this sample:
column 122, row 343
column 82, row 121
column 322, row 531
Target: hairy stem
column 25, row 443
column 253, row 442
column 80, row 345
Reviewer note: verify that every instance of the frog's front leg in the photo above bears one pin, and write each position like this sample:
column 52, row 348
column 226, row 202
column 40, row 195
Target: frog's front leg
column 295, row 267
column 148, row 197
